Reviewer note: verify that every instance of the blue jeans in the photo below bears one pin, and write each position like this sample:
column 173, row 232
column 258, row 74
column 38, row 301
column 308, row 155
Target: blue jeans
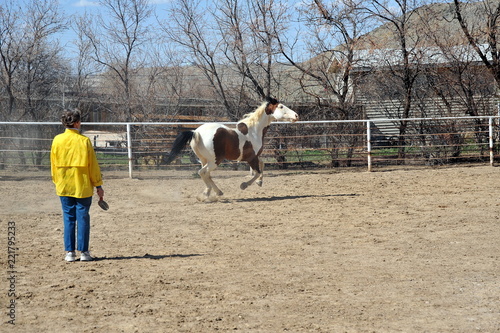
column 76, row 210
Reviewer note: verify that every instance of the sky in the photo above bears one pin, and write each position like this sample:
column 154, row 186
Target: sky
column 80, row 7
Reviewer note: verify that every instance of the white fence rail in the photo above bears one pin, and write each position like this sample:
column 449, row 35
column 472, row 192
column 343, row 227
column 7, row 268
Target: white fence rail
column 140, row 146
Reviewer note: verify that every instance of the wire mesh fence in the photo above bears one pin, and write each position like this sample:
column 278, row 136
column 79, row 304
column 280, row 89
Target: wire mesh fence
column 138, row 147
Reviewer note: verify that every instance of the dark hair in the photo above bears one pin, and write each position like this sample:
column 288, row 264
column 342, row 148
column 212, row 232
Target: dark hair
column 271, row 100
column 69, row 118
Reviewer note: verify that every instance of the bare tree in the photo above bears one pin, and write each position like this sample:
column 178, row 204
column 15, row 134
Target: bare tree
column 30, row 62
column 118, row 37
column 465, row 81
column 85, row 69
column 31, row 67
column 249, row 33
column 333, row 34
column 11, row 51
column 42, row 65
column 480, row 23
column 461, row 75
column 234, row 44
column 187, row 27
column 403, row 61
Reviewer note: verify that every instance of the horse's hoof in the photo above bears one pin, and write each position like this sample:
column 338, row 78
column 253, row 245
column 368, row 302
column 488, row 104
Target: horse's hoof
column 243, row 186
column 202, row 197
column 219, row 193
column 212, row 199
column 259, row 182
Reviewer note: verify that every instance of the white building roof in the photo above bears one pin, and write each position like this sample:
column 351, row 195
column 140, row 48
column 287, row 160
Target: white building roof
column 368, row 59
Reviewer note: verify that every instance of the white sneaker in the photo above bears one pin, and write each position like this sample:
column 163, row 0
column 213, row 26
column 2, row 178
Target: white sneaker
column 85, row 256
column 70, row 256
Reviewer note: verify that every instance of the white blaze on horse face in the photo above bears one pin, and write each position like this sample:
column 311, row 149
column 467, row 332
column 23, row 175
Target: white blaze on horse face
column 285, row 114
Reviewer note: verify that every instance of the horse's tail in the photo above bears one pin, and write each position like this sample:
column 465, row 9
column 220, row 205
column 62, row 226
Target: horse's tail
column 180, row 141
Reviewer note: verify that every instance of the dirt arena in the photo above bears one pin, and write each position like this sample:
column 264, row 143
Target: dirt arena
column 310, row 251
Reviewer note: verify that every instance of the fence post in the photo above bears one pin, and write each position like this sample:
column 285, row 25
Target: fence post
column 129, row 150
column 369, row 145
column 490, row 125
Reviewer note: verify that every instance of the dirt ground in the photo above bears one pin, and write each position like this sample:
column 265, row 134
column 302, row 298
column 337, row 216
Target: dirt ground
column 310, row 251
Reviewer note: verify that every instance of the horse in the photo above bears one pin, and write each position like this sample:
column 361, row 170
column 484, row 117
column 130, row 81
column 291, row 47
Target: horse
column 214, row 142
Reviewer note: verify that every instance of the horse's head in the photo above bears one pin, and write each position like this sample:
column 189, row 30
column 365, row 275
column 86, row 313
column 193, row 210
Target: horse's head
column 280, row 112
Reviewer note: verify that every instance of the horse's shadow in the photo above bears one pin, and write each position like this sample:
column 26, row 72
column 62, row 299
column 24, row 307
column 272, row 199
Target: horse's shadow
column 149, row 256
column 287, row 197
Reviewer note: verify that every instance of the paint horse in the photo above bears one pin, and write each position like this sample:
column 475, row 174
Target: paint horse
column 213, row 142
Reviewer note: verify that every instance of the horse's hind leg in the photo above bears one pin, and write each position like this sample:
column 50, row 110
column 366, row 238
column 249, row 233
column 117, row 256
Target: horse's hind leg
column 205, row 176
column 207, row 167
column 208, row 186
column 259, row 179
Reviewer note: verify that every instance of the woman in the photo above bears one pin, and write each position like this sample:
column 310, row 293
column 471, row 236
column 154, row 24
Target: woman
column 75, row 172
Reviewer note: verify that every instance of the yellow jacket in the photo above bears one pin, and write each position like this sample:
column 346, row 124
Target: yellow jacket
column 74, row 167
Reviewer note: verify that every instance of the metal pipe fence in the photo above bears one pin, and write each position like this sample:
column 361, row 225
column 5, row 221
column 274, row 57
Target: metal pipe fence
column 142, row 146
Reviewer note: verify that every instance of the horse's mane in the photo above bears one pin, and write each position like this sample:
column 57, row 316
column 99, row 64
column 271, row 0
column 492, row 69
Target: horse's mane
column 253, row 117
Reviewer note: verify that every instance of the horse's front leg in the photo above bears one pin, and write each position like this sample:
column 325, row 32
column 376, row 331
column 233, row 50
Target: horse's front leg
column 257, row 173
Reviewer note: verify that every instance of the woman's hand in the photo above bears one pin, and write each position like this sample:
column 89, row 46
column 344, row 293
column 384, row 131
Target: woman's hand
column 100, row 192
